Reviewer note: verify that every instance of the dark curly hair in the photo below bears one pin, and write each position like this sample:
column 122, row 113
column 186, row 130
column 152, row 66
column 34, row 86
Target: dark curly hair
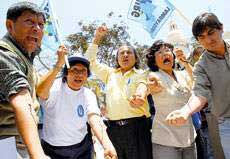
column 151, row 54
column 137, row 60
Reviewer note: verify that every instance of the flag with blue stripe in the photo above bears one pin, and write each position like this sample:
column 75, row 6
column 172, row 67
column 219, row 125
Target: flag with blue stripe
column 151, row 13
column 51, row 38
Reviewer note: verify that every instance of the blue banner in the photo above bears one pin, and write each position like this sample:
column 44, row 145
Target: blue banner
column 151, row 13
column 50, row 42
column 51, row 38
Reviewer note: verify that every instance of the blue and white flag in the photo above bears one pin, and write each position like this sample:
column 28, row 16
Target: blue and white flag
column 51, row 39
column 151, row 13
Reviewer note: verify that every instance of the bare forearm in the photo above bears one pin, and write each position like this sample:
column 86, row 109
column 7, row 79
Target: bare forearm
column 96, row 41
column 195, row 104
column 28, row 130
column 26, row 123
column 99, row 130
column 46, row 82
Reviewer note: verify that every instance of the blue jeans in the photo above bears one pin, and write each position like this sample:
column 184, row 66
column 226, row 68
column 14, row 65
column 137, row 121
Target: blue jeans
column 168, row 152
column 206, row 136
column 224, row 128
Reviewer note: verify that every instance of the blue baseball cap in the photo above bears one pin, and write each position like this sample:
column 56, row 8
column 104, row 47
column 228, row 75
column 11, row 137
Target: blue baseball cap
column 74, row 59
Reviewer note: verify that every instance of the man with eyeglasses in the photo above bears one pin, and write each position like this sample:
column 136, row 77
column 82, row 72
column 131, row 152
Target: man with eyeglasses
column 68, row 106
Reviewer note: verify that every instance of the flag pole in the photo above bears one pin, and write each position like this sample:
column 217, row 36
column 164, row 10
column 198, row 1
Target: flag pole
column 183, row 16
column 58, row 33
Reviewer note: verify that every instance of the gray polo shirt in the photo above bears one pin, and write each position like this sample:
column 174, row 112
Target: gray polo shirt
column 212, row 81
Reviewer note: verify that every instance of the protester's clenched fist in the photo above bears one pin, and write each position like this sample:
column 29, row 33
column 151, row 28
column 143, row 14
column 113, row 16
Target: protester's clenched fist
column 180, row 56
column 110, row 154
column 177, row 117
column 61, row 52
column 100, row 33
column 136, row 100
column 154, row 84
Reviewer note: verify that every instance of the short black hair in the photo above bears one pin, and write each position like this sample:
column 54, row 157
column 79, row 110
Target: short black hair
column 17, row 9
column 203, row 21
column 151, row 54
column 137, row 60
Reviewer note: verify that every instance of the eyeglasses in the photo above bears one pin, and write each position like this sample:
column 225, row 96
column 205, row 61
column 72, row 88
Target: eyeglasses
column 164, row 50
column 78, row 71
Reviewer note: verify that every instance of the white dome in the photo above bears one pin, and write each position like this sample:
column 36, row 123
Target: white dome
column 177, row 38
column 175, row 35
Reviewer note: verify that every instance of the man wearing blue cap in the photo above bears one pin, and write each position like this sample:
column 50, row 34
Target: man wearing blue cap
column 68, row 106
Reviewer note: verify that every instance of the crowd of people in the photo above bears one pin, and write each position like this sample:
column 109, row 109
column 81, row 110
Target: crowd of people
column 159, row 113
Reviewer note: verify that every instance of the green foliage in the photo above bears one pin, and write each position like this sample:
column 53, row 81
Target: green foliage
column 141, row 52
column 117, row 35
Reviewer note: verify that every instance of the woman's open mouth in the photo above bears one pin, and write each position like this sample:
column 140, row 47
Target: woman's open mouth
column 78, row 81
column 166, row 61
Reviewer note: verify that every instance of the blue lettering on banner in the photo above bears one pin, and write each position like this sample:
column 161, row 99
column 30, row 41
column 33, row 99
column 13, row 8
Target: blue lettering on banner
column 50, row 29
column 151, row 13
column 50, row 39
column 80, row 111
